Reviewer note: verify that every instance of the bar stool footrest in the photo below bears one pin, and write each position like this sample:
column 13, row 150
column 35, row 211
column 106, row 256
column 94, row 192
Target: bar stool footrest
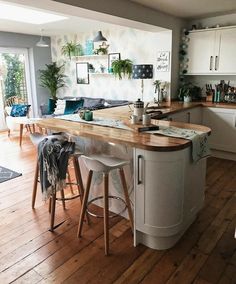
column 110, row 215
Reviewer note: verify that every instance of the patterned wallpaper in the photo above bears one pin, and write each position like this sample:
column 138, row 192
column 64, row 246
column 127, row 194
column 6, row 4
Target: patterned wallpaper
column 139, row 46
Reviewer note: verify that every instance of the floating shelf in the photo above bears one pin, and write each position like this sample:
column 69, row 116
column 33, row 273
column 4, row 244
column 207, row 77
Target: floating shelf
column 92, row 56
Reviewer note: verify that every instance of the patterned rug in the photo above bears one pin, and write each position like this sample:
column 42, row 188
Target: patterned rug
column 6, row 174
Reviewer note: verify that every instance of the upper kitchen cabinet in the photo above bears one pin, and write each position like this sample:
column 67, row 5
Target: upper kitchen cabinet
column 212, row 52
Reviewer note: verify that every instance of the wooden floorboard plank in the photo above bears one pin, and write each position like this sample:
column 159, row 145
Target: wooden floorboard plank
column 30, row 254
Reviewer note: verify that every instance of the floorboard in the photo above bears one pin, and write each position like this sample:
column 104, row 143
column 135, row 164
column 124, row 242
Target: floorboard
column 29, row 253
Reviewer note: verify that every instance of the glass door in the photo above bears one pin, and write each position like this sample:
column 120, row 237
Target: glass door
column 14, row 79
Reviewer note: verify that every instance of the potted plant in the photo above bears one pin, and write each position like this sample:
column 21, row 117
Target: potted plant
column 52, row 78
column 189, row 92
column 101, row 51
column 72, row 49
column 122, row 68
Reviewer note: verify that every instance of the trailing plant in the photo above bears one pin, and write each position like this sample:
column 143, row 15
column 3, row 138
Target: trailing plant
column 72, row 49
column 101, row 50
column 122, row 68
column 52, row 78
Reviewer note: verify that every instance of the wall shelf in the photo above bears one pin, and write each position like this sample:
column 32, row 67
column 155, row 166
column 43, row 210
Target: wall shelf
column 92, row 56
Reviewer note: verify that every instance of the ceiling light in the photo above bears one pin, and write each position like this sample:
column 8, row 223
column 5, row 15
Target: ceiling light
column 42, row 42
column 99, row 37
column 27, row 15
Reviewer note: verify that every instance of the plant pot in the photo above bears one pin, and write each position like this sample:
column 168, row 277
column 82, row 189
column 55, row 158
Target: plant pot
column 187, row 99
column 51, row 105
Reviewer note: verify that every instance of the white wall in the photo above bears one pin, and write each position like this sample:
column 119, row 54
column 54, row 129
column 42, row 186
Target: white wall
column 139, row 46
column 129, row 10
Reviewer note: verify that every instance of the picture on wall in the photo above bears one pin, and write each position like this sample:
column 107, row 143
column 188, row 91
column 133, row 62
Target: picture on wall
column 163, row 61
column 82, row 73
column 111, row 58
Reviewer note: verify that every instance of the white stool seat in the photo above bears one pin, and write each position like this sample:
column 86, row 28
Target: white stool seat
column 102, row 163
column 37, row 137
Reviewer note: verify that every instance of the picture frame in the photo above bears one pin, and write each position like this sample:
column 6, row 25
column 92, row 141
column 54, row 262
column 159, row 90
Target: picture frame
column 112, row 57
column 163, row 61
column 82, row 73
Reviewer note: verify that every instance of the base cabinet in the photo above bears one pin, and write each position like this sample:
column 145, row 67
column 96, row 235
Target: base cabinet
column 223, row 128
column 193, row 115
column 169, row 191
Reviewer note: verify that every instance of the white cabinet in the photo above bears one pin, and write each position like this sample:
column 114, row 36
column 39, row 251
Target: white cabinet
column 201, row 50
column 222, row 122
column 193, row 115
column 169, row 191
column 212, row 52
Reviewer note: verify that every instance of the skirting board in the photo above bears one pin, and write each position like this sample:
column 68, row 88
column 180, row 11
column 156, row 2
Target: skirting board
column 223, row 155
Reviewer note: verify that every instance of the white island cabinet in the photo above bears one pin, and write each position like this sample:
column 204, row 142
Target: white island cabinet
column 212, row 52
column 169, row 191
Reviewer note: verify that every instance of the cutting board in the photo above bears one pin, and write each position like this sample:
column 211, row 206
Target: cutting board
column 139, row 127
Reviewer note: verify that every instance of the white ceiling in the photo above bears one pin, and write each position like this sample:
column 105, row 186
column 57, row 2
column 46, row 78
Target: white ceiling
column 73, row 23
column 191, row 9
column 86, row 23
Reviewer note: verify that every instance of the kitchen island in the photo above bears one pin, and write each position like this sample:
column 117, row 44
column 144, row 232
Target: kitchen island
column 168, row 186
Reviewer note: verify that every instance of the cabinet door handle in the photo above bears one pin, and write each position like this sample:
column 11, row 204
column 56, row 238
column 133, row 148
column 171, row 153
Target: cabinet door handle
column 140, row 170
column 211, row 62
column 216, row 62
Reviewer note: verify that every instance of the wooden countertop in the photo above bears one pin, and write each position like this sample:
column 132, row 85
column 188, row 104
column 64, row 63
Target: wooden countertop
column 128, row 137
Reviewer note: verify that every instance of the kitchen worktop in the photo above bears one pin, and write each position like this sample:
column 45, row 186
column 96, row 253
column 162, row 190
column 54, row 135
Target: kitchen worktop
column 130, row 137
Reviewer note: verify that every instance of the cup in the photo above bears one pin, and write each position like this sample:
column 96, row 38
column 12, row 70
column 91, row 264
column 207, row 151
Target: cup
column 134, row 119
column 146, row 119
column 88, row 115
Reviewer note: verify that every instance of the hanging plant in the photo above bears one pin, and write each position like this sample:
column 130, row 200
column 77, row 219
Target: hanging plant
column 122, row 68
column 72, row 49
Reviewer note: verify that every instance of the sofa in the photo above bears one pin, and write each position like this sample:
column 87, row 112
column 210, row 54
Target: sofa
column 69, row 105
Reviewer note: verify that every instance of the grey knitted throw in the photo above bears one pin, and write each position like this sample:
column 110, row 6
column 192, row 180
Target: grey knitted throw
column 53, row 156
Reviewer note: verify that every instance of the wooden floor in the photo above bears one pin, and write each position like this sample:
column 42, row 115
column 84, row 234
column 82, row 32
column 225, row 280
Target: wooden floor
column 29, row 253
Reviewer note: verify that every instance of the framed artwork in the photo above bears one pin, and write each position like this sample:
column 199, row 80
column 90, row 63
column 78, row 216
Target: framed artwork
column 82, row 73
column 112, row 57
column 163, row 61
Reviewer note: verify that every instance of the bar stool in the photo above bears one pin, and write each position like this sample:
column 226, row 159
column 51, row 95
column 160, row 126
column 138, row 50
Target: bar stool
column 104, row 164
column 36, row 138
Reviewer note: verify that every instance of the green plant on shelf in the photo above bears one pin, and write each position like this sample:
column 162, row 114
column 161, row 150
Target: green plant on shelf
column 101, row 51
column 72, row 49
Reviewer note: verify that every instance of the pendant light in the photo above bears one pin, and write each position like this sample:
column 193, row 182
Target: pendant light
column 99, row 37
column 42, row 42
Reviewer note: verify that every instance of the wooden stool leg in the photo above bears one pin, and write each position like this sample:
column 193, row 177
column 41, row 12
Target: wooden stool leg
column 36, row 175
column 79, row 181
column 124, row 184
column 84, row 203
column 63, row 199
column 106, row 211
column 8, row 132
column 70, row 181
column 53, row 209
column 21, row 133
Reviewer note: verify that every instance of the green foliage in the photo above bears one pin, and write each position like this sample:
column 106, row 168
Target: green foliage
column 14, row 82
column 157, row 84
column 187, row 89
column 101, row 50
column 72, row 49
column 122, row 68
column 52, row 78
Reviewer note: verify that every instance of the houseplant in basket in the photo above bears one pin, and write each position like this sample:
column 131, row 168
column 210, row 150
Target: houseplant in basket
column 121, row 68
column 52, row 78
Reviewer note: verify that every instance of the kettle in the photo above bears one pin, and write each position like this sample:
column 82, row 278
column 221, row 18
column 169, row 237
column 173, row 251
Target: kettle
column 139, row 109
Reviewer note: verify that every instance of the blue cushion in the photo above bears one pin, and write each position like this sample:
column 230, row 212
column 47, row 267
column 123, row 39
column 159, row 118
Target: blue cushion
column 19, row 110
column 92, row 102
column 73, row 106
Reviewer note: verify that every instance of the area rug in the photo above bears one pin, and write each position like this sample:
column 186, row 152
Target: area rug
column 6, row 174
